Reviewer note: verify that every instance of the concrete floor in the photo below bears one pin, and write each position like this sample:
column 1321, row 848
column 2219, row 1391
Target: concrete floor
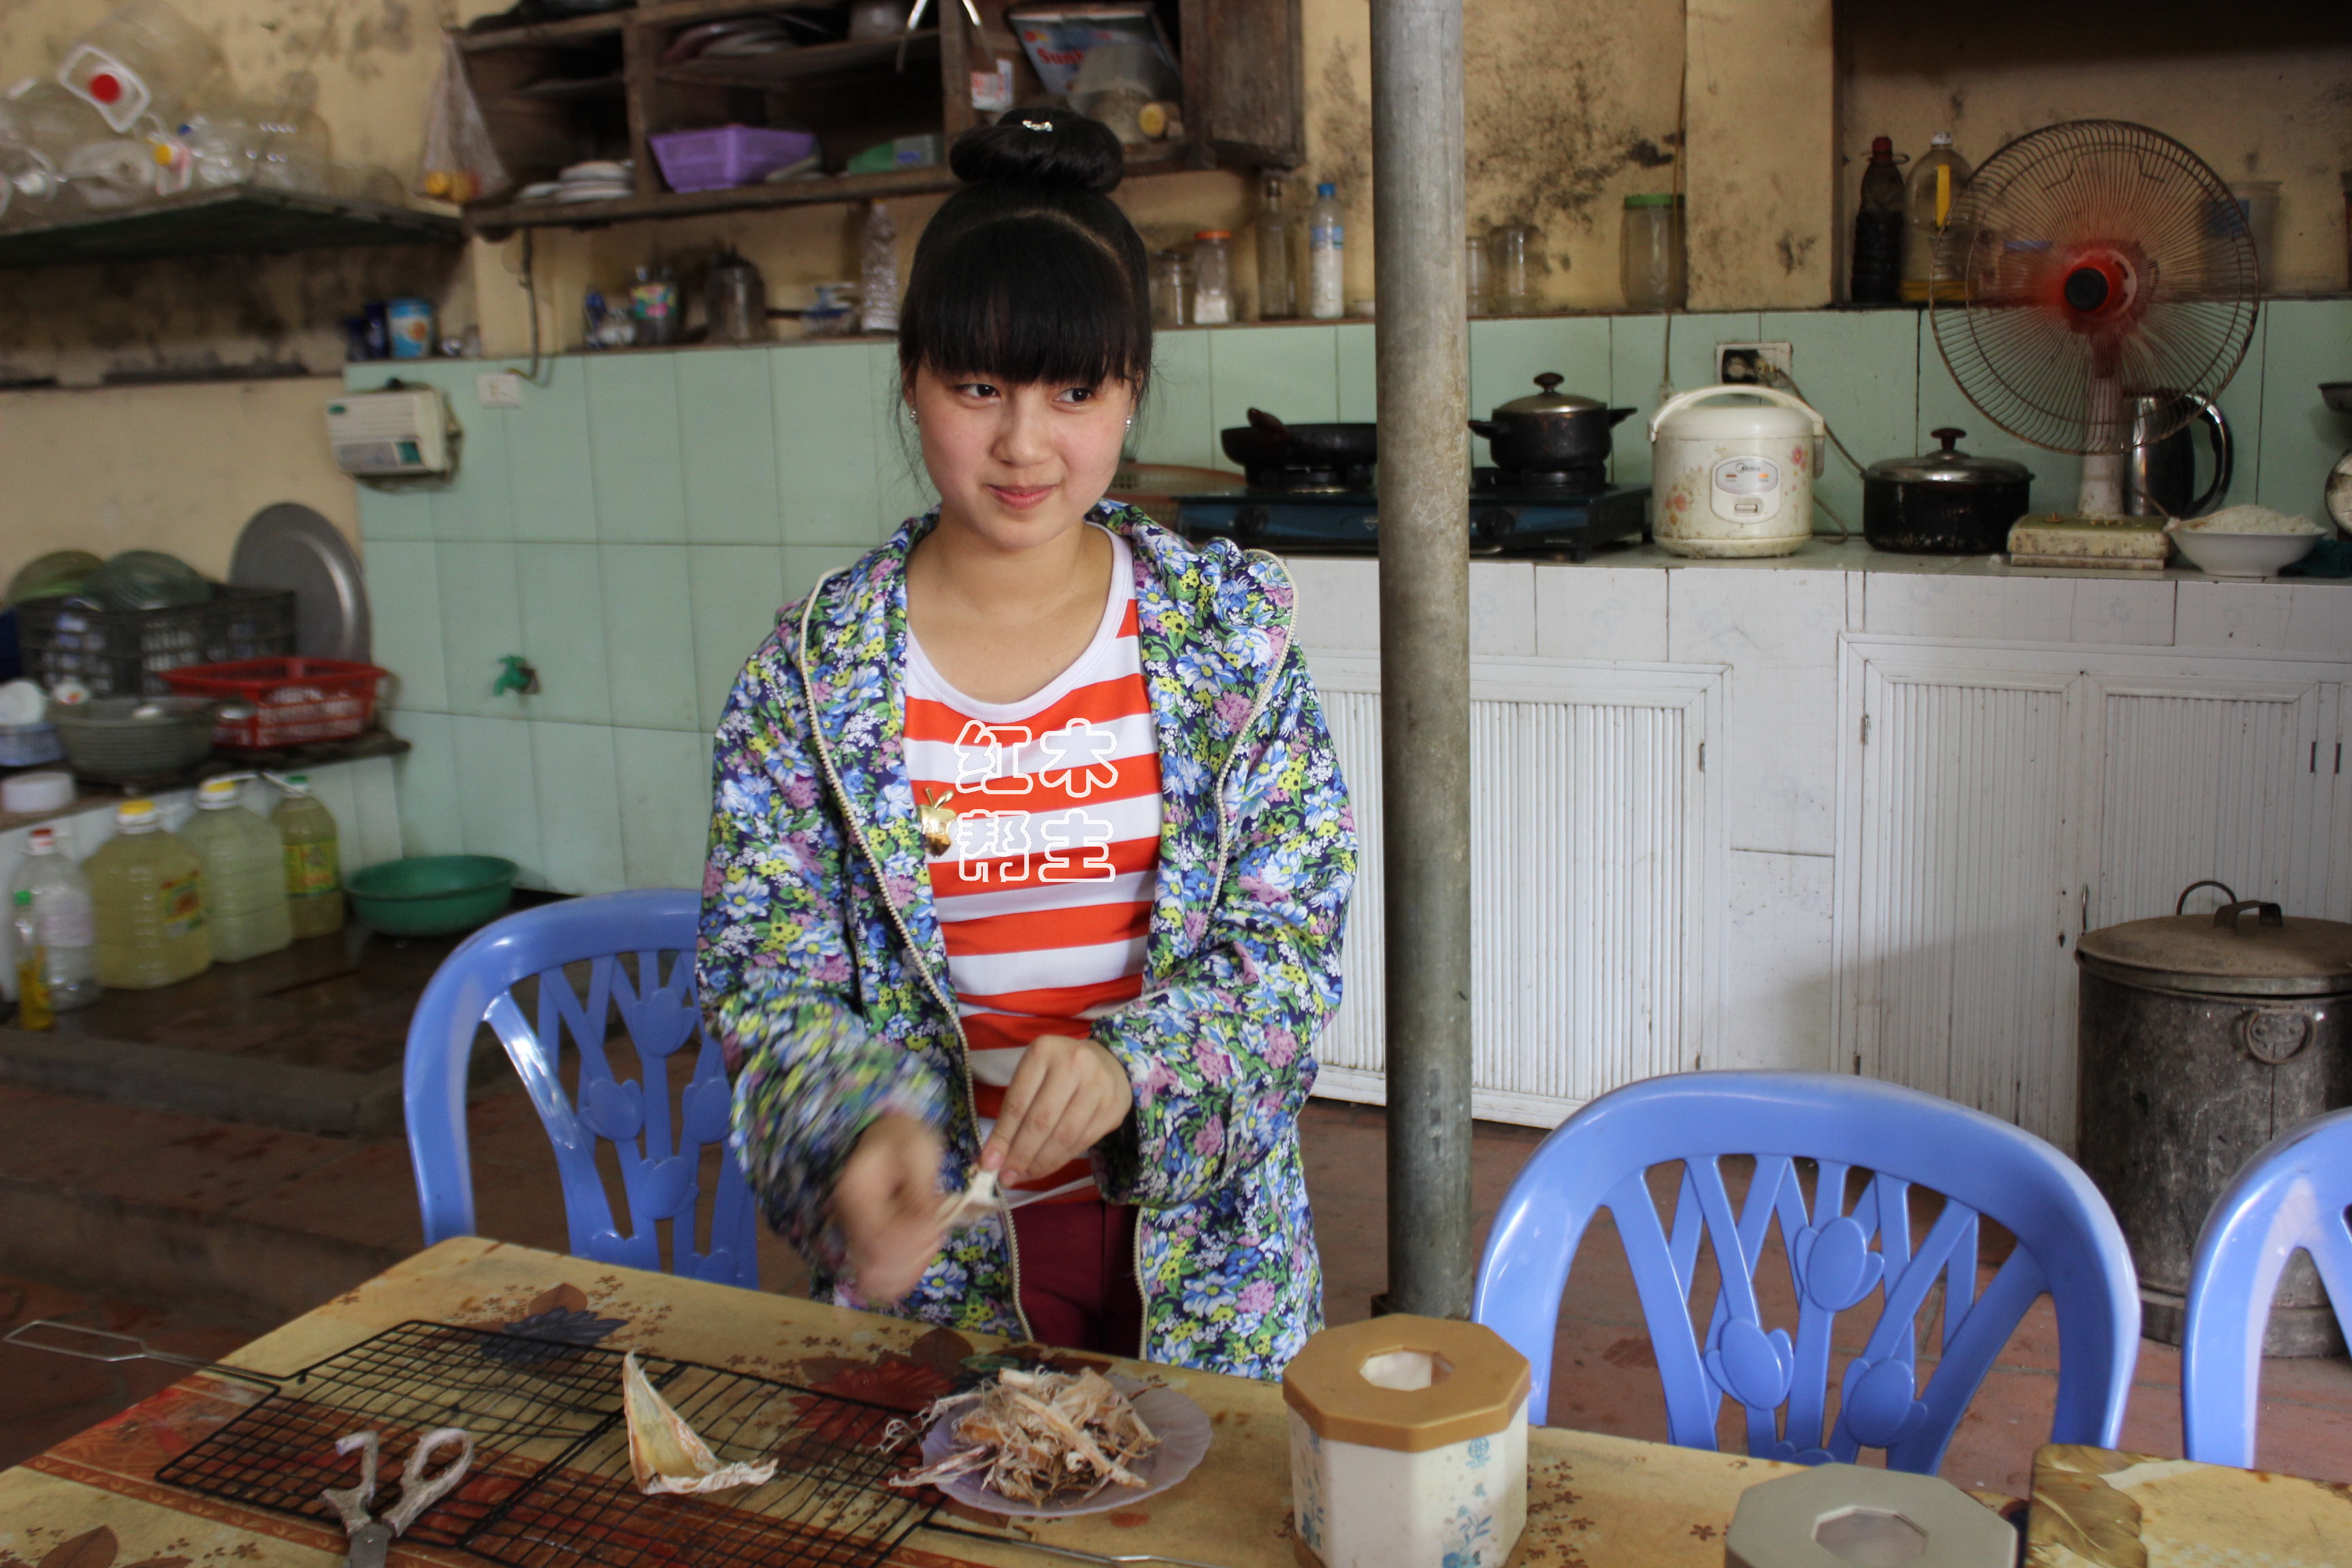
column 195, row 1232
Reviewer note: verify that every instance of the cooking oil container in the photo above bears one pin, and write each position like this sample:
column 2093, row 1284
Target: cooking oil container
column 1408, row 1445
column 1733, row 479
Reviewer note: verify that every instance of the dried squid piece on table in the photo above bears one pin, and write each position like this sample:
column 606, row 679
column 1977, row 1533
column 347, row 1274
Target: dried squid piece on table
column 665, row 1454
column 1043, row 1436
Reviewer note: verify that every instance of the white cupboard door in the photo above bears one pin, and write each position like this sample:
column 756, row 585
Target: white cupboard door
column 1596, row 931
column 1953, row 919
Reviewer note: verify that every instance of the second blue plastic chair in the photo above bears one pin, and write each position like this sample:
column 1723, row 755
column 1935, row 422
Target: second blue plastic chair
column 2290, row 1198
column 2068, row 1246
column 659, row 1161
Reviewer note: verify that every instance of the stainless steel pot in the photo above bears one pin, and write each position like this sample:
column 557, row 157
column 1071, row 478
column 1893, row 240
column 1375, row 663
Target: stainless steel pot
column 2201, row 1039
column 1944, row 502
column 1549, row 431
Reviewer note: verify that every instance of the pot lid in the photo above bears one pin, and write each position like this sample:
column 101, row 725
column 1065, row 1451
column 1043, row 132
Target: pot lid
column 2243, row 949
column 1550, row 400
column 1950, row 466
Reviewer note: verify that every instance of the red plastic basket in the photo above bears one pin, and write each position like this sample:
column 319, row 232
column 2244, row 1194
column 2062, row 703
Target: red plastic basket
column 293, row 701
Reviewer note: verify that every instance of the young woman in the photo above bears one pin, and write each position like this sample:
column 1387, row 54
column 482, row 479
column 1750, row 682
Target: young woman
column 1031, row 855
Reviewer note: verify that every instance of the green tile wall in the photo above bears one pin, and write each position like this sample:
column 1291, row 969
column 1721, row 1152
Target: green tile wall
column 633, row 528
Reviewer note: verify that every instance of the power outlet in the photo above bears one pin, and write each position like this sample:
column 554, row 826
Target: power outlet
column 498, row 389
column 1739, row 363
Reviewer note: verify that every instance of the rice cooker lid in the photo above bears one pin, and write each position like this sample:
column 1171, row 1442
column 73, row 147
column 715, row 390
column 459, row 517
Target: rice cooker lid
column 1950, row 466
column 2256, row 952
column 1722, row 420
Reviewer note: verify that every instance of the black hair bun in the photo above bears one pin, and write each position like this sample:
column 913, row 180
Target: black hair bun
column 1055, row 148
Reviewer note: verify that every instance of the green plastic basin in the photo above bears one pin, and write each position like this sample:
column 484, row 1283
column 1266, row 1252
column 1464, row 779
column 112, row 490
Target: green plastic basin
column 431, row 895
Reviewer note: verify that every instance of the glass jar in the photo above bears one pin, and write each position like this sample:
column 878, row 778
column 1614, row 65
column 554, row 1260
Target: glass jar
column 1167, row 289
column 1277, row 290
column 1477, row 299
column 1650, row 253
column 1513, row 257
column 1212, row 277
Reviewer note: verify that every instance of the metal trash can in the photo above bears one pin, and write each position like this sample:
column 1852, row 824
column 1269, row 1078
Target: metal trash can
column 2201, row 1039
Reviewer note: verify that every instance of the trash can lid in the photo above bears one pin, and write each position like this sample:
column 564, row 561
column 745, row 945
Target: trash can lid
column 2243, row 949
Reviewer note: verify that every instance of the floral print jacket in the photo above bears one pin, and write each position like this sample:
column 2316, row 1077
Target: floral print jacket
column 824, row 977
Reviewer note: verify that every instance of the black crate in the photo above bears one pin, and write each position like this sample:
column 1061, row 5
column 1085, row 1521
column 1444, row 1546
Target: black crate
column 124, row 653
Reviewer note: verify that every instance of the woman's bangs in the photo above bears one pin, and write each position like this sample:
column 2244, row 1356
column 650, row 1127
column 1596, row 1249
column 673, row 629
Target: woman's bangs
column 1027, row 301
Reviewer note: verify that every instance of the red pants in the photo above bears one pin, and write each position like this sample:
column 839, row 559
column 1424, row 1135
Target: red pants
column 1077, row 1276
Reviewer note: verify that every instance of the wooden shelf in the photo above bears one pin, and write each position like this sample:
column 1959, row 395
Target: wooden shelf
column 810, row 64
column 241, row 221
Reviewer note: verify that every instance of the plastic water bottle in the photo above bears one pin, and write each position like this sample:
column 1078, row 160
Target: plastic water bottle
column 877, row 295
column 314, row 883
column 1326, row 256
column 149, row 890
column 57, row 928
column 244, row 857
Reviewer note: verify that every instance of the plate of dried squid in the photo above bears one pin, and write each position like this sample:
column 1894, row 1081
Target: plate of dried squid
column 1045, row 1443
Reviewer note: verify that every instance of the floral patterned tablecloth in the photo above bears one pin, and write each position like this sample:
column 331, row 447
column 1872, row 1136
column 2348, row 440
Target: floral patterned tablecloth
column 93, row 1502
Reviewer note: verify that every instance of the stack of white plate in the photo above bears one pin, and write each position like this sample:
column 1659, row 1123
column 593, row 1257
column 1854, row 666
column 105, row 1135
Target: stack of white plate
column 591, row 182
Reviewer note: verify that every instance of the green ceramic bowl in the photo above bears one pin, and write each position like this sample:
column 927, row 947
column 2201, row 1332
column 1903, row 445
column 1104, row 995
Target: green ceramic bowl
column 432, row 895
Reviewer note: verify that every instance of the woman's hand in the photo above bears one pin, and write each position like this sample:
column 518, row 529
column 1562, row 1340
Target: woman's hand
column 887, row 1204
column 1065, row 1098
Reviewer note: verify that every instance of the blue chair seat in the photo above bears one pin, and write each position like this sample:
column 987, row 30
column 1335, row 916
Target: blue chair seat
column 638, row 951
column 2068, row 1246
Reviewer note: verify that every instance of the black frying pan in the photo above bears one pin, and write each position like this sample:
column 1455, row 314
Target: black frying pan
column 1266, row 442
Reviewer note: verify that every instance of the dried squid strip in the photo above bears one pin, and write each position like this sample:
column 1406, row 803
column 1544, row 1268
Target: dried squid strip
column 1043, row 1436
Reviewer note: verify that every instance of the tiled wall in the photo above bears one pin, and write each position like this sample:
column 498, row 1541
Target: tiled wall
column 633, row 528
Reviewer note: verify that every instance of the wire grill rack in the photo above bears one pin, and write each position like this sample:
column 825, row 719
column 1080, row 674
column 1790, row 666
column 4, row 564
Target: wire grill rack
column 550, row 1486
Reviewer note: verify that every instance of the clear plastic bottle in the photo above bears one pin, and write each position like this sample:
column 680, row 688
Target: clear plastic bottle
column 877, row 295
column 244, row 857
column 1326, row 256
column 1212, row 277
column 145, row 58
column 33, row 1009
column 1877, row 276
column 1936, row 184
column 54, row 910
column 1278, row 288
column 314, row 880
column 149, row 890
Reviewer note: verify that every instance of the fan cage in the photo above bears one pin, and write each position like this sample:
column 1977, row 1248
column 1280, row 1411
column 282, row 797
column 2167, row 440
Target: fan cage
column 2127, row 195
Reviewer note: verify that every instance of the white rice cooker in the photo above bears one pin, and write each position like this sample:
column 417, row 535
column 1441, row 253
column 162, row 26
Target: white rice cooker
column 1734, row 478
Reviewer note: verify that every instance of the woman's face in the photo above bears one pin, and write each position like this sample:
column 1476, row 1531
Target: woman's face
column 1020, row 465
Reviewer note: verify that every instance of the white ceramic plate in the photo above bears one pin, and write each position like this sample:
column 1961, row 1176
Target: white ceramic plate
column 1182, row 1429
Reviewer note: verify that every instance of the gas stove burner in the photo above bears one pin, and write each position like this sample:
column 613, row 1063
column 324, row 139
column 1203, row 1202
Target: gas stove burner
column 1283, row 481
column 1562, row 481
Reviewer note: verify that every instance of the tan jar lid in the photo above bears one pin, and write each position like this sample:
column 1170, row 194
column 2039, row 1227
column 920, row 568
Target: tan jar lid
column 1481, row 1382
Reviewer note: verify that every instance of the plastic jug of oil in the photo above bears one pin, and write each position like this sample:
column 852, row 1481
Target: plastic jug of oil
column 57, row 930
column 314, row 878
column 149, row 889
column 244, row 858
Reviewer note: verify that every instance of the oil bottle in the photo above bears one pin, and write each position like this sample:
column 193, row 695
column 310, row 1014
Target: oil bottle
column 314, row 880
column 244, row 857
column 149, row 891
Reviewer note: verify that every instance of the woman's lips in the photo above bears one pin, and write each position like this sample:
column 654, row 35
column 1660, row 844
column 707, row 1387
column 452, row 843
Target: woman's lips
column 1020, row 498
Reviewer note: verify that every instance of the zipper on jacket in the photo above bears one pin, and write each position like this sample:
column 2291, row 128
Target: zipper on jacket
column 898, row 923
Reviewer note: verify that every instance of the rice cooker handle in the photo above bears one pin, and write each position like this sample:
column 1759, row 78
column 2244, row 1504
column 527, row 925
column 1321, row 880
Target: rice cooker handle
column 1770, row 394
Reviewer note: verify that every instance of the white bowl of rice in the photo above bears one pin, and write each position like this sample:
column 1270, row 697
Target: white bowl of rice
column 2246, row 541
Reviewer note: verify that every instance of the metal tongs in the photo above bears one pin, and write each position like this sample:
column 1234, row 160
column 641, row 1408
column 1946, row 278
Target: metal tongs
column 123, row 1348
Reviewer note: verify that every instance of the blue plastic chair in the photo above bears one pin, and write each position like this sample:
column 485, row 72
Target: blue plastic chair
column 659, row 1163
column 2290, row 1198
column 2068, row 1246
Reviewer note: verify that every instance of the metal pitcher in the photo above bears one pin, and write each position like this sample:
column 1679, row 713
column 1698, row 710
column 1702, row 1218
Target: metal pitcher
column 2161, row 475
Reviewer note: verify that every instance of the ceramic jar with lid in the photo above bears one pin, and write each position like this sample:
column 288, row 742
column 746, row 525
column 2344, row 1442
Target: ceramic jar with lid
column 2201, row 1039
column 1408, row 1445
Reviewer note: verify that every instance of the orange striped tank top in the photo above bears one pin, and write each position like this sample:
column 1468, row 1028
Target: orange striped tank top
column 1044, row 887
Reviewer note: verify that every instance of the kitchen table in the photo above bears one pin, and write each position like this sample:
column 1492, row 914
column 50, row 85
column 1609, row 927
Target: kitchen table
column 2094, row 1508
column 1591, row 1499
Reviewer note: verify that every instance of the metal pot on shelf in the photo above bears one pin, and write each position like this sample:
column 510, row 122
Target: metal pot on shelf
column 2201, row 1039
column 1550, row 431
column 1944, row 502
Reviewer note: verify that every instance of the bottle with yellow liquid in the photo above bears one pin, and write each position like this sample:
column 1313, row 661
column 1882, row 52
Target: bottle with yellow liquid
column 1936, row 181
column 150, row 892
column 244, row 858
column 314, row 878
column 33, row 1009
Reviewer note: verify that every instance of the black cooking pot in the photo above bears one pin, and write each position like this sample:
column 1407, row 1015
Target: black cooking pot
column 1944, row 502
column 1550, row 430
column 1266, row 442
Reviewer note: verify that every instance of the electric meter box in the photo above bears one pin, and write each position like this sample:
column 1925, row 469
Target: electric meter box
column 389, row 433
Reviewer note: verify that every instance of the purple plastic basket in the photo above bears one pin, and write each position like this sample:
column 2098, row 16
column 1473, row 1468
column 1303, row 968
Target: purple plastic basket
column 727, row 156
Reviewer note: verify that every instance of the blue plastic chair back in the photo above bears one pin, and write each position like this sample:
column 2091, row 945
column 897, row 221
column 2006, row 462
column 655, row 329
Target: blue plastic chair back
column 658, row 1155
column 2068, row 1246
column 2290, row 1198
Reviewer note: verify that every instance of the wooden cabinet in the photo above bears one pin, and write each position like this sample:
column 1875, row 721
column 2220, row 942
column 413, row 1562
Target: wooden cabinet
column 600, row 87
column 1598, row 923
column 1998, row 802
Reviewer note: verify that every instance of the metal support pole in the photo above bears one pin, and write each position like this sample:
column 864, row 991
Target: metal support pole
column 1424, row 456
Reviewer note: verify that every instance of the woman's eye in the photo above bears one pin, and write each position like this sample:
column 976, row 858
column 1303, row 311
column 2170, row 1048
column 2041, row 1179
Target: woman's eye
column 977, row 389
column 1077, row 395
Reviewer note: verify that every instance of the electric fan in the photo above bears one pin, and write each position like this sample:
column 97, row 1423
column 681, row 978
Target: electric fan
column 2098, row 261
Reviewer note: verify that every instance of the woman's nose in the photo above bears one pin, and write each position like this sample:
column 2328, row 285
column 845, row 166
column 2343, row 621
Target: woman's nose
column 1021, row 437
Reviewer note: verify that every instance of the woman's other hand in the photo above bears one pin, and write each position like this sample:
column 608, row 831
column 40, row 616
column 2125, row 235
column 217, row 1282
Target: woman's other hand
column 887, row 1204
column 1066, row 1097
